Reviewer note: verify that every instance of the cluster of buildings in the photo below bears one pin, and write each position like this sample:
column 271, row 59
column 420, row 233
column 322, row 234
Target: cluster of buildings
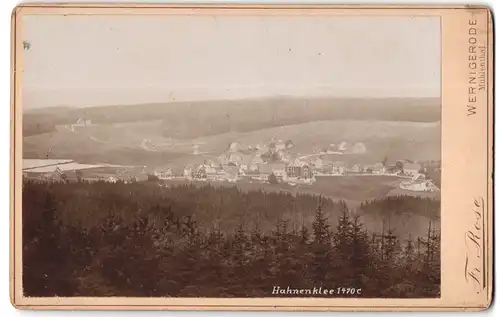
column 419, row 185
column 260, row 162
column 267, row 163
column 273, row 163
column 71, row 171
column 75, row 175
column 296, row 171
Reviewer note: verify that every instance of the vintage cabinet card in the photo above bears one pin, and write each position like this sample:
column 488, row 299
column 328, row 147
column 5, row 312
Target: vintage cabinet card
column 251, row 157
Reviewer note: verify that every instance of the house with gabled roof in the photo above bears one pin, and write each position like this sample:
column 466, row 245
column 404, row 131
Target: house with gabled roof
column 56, row 176
column 299, row 169
column 83, row 123
column 204, row 171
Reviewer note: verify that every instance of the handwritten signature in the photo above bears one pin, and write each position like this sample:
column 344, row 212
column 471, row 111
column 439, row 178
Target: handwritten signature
column 474, row 270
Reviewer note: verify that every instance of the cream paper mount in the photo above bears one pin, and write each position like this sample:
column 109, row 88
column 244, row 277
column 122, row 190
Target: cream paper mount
column 251, row 157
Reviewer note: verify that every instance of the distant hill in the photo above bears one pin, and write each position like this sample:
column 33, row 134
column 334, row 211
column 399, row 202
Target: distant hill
column 122, row 143
column 201, row 118
column 392, row 139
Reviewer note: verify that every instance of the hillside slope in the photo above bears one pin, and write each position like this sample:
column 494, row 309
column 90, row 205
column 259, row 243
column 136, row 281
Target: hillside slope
column 195, row 119
column 113, row 142
column 396, row 140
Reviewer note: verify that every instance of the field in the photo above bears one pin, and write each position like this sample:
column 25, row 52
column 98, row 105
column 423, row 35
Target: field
column 142, row 143
column 27, row 163
column 352, row 189
column 157, row 134
column 396, row 140
column 89, row 149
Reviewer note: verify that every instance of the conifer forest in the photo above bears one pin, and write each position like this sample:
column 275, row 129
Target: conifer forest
column 145, row 240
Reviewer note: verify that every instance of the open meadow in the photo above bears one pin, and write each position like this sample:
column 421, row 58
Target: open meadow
column 142, row 143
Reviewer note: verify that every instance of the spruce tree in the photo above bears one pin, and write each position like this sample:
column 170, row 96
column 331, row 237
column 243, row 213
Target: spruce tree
column 321, row 228
column 320, row 263
column 360, row 257
column 342, row 238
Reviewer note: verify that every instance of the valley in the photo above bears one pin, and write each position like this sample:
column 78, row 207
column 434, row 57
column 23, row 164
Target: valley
column 159, row 139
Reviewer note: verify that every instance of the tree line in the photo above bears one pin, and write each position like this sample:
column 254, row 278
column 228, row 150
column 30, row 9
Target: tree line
column 136, row 240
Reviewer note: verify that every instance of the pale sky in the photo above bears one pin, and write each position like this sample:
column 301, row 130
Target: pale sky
column 103, row 60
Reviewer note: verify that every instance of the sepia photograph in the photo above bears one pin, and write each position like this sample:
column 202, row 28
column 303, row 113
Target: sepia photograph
column 231, row 156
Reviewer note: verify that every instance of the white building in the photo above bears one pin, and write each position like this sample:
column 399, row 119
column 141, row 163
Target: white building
column 419, row 186
column 82, row 123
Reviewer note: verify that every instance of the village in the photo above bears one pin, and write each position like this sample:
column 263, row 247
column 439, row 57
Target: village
column 273, row 162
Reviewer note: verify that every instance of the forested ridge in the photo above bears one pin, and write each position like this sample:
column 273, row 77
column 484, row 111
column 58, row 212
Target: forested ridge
column 211, row 117
column 100, row 239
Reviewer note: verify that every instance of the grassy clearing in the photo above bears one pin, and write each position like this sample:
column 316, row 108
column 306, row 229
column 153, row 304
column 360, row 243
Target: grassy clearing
column 352, row 189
